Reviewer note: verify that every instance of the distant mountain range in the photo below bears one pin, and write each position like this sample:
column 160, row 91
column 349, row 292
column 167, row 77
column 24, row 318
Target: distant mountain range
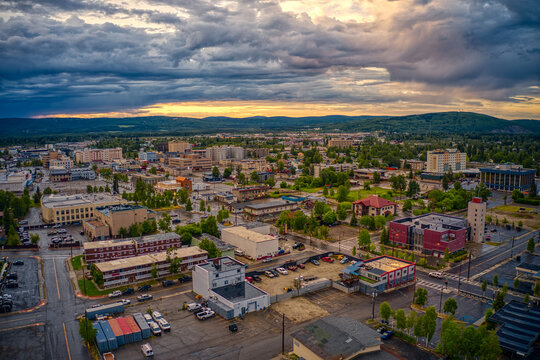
column 445, row 122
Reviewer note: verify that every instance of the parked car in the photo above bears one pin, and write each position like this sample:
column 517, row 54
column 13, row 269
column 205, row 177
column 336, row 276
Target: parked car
column 205, row 315
column 282, row 271
column 315, row 262
column 381, row 330
column 147, row 351
column 147, row 317
column 115, row 294
column 18, row 262
column 166, row 283
column 301, row 266
column 387, row 335
column 144, row 297
column 184, row 279
column 156, row 315
column 269, row 274
column 256, row 278
column 154, row 328
column 267, row 260
column 164, row 325
column 125, row 302
column 292, row 267
column 193, row 306
column 200, row 310
column 145, row 287
column 12, row 276
column 276, row 274
column 436, row 274
column 176, row 221
column 327, row 259
column 344, row 260
column 249, row 278
column 128, row 291
column 12, row 284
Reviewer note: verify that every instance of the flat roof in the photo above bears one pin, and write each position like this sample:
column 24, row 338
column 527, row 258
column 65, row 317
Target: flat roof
column 379, row 265
column 270, row 204
column 221, row 264
column 220, row 244
column 107, row 210
column 147, row 259
column 434, row 221
column 249, row 235
column 106, row 243
column 58, row 201
column 239, row 292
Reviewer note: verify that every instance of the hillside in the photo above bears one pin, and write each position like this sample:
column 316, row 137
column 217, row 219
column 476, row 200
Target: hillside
column 448, row 122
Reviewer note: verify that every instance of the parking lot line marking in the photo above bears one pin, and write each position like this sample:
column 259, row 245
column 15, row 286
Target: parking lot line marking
column 56, row 277
column 67, row 344
column 22, row 327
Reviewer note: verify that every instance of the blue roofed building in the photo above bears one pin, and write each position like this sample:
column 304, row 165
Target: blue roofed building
column 507, row 177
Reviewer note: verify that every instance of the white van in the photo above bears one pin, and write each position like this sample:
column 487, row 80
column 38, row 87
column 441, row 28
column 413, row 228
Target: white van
column 154, row 328
column 147, row 350
column 238, row 252
column 193, row 306
column 164, row 325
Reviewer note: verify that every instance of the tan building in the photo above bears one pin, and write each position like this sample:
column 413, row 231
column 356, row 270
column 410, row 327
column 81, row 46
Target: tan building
column 65, row 209
column 443, row 161
column 63, row 162
column 269, row 209
column 254, row 244
column 250, row 193
column 476, row 218
column 191, row 162
column 174, row 185
column 416, row 165
column 149, row 179
column 246, row 165
column 340, row 143
column 98, row 155
column 115, row 218
column 46, row 159
column 179, row 146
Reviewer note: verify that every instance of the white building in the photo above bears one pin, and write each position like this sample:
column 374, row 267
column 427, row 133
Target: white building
column 218, row 153
column 476, row 218
column 149, row 156
column 442, row 161
column 222, row 283
column 254, row 244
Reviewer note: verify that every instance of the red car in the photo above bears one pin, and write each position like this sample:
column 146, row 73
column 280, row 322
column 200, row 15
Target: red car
column 249, row 278
column 328, row 259
column 292, row 267
column 301, row 266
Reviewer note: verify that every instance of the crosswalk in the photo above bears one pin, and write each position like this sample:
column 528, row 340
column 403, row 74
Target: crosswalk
column 424, row 283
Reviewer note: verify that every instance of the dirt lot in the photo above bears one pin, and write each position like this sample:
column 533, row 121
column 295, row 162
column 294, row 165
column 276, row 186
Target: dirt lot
column 299, row 309
column 342, row 232
column 513, row 215
column 276, row 286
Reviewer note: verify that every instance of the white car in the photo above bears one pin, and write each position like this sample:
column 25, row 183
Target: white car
column 148, row 317
column 353, row 262
column 205, row 315
column 156, row 331
column 115, row 293
column 193, row 306
column 164, row 324
column 436, row 274
column 125, row 301
column 147, row 350
column 344, row 260
column 156, row 315
column 282, row 271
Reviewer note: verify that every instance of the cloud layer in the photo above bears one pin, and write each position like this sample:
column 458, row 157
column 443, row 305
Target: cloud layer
column 74, row 56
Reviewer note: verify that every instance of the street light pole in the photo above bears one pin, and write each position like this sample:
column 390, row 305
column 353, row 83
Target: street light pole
column 283, row 335
column 459, row 279
column 440, row 301
column 512, row 251
column 469, row 267
column 373, row 295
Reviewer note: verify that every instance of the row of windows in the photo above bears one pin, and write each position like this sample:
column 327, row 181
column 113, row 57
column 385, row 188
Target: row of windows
column 73, row 211
column 74, row 217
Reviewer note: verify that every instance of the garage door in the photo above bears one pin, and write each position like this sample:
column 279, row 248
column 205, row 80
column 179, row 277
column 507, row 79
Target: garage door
column 252, row 306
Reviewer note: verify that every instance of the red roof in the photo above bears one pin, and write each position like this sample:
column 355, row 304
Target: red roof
column 374, row 201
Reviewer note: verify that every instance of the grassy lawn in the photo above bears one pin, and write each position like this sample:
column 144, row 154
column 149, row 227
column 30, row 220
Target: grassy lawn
column 360, row 194
column 512, row 208
column 76, row 262
column 492, row 243
column 92, row 290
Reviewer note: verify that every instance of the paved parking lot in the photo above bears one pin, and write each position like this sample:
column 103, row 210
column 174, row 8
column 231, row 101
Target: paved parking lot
column 27, row 294
column 23, row 343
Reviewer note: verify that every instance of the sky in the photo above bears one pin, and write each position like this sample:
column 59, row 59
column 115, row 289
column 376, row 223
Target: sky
column 93, row 58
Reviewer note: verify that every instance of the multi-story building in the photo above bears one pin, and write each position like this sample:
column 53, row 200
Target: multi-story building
column 218, row 153
column 110, row 219
column 373, row 206
column 99, row 251
column 269, row 209
column 247, row 166
column 174, row 185
column 191, row 162
column 149, row 179
column 258, row 152
column 430, row 233
column 59, row 174
column 250, row 193
column 98, row 155
column 139, row 268
column 66, row 209
column 82, row 174
column 415, row 165
column 340, row 143
column 222, row 283
column 507, row 177
column 317, row 168
column 63, row 161
column 254, row 244
column 179, row 146
column 46, row 159
column 149, row 156
column 442, row 161
column 476, row 218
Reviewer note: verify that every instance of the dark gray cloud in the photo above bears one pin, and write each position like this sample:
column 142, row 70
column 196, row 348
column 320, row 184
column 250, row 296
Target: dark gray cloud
column 255, row 51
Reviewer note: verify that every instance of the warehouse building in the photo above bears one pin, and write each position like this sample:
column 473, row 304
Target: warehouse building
column 222, row 283
column 139, row 268
column 430, row 233
column 507, row 177
column 269, row 209
column 254, row 244
column 66, row 209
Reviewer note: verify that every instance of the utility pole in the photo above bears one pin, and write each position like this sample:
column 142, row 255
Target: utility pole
column 512, row 251
column 283, row 335
column 469, row 268
column 373, row 295
column 440, row 301
column 459, row 279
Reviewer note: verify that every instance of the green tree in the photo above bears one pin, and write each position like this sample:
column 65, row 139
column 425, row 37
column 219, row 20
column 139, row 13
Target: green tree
column 530, row 245
column 446, row 254
column 323, row 231
column 430, row 323
column 174, row 263
column 496, row 280
column 115, row 184
column 135, row 230
column 450, row 344
column 210, row 247
column 484, row 286
column 487, row 314
column 420, row 296
column 407, row 205
column 401, row 319
column 202, row 205
column 517, row 195
column 516, row 283
column 384, row 236
column 283, row 185
column 445, row 183
column 189, row 206
column 450, row 306
column 154, row 271
column 526, row 299
column 533, row 190
column 498, row 302
column 376, row 177
column 87, row 331
column 385, row 310
column 89, row 189
column 537, row 288
column 419, row 329
column 254, row 176
column 399, row 183
column 342, row 193
column 364, row 238
column 380, row 221
column 12, row 237
column 34, row 238
column 123, row 232
column 329, row 218
column 354, row 221
column 490, row 348
column 227, row 172
column 413, row 188
column 242, row 178
column 215, row 172
column 354, row 251
column 164, row 222
column 270, row 182
column 411, row 320
column 153, row 170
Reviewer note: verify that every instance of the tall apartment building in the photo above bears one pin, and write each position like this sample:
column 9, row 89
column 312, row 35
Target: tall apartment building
column 340, row 143
column 476, row 218
column 98, row 155
column 218, row 153
column 179, row 146
column 191, row 162
column 51, row 155
column 62, row 162
column 149, row 156
column 442, row 161
column 66, row 209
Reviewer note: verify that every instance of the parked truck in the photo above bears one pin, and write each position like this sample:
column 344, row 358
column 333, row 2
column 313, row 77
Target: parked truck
column 107, row 309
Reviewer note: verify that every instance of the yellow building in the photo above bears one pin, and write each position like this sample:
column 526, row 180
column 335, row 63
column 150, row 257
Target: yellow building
column 113, row 218
column 179, row 146
column 173, row 185
column 65, row 209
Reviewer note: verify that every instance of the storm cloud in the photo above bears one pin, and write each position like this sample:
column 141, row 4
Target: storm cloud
column 67, row 56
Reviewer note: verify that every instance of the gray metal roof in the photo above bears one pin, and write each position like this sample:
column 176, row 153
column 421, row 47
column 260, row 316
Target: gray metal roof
column 239, row 292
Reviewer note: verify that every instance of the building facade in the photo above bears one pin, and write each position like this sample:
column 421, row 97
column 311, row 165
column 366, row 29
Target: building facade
column 139, row 268
column 430, row 233
column 442, row 161
column 476, row 218
column 116, row 217
column 374, row 205
column 340, row 143
column 149, row 156
column 63, row 161
column 269, row 209
column 59, row 174
column 174, row 185
column 191, row 162
column 218, row 153
column 98, row 155
column 250, row 193
column 507, row 177
column 254, row 244
column 66, row 209
column 179, row 146
column 149, row 179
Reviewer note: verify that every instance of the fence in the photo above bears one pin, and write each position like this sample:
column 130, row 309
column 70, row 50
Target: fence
column 308, row 288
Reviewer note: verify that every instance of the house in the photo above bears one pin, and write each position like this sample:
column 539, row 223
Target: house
column 222, row 283
column 334, row 337
column 374, row 205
